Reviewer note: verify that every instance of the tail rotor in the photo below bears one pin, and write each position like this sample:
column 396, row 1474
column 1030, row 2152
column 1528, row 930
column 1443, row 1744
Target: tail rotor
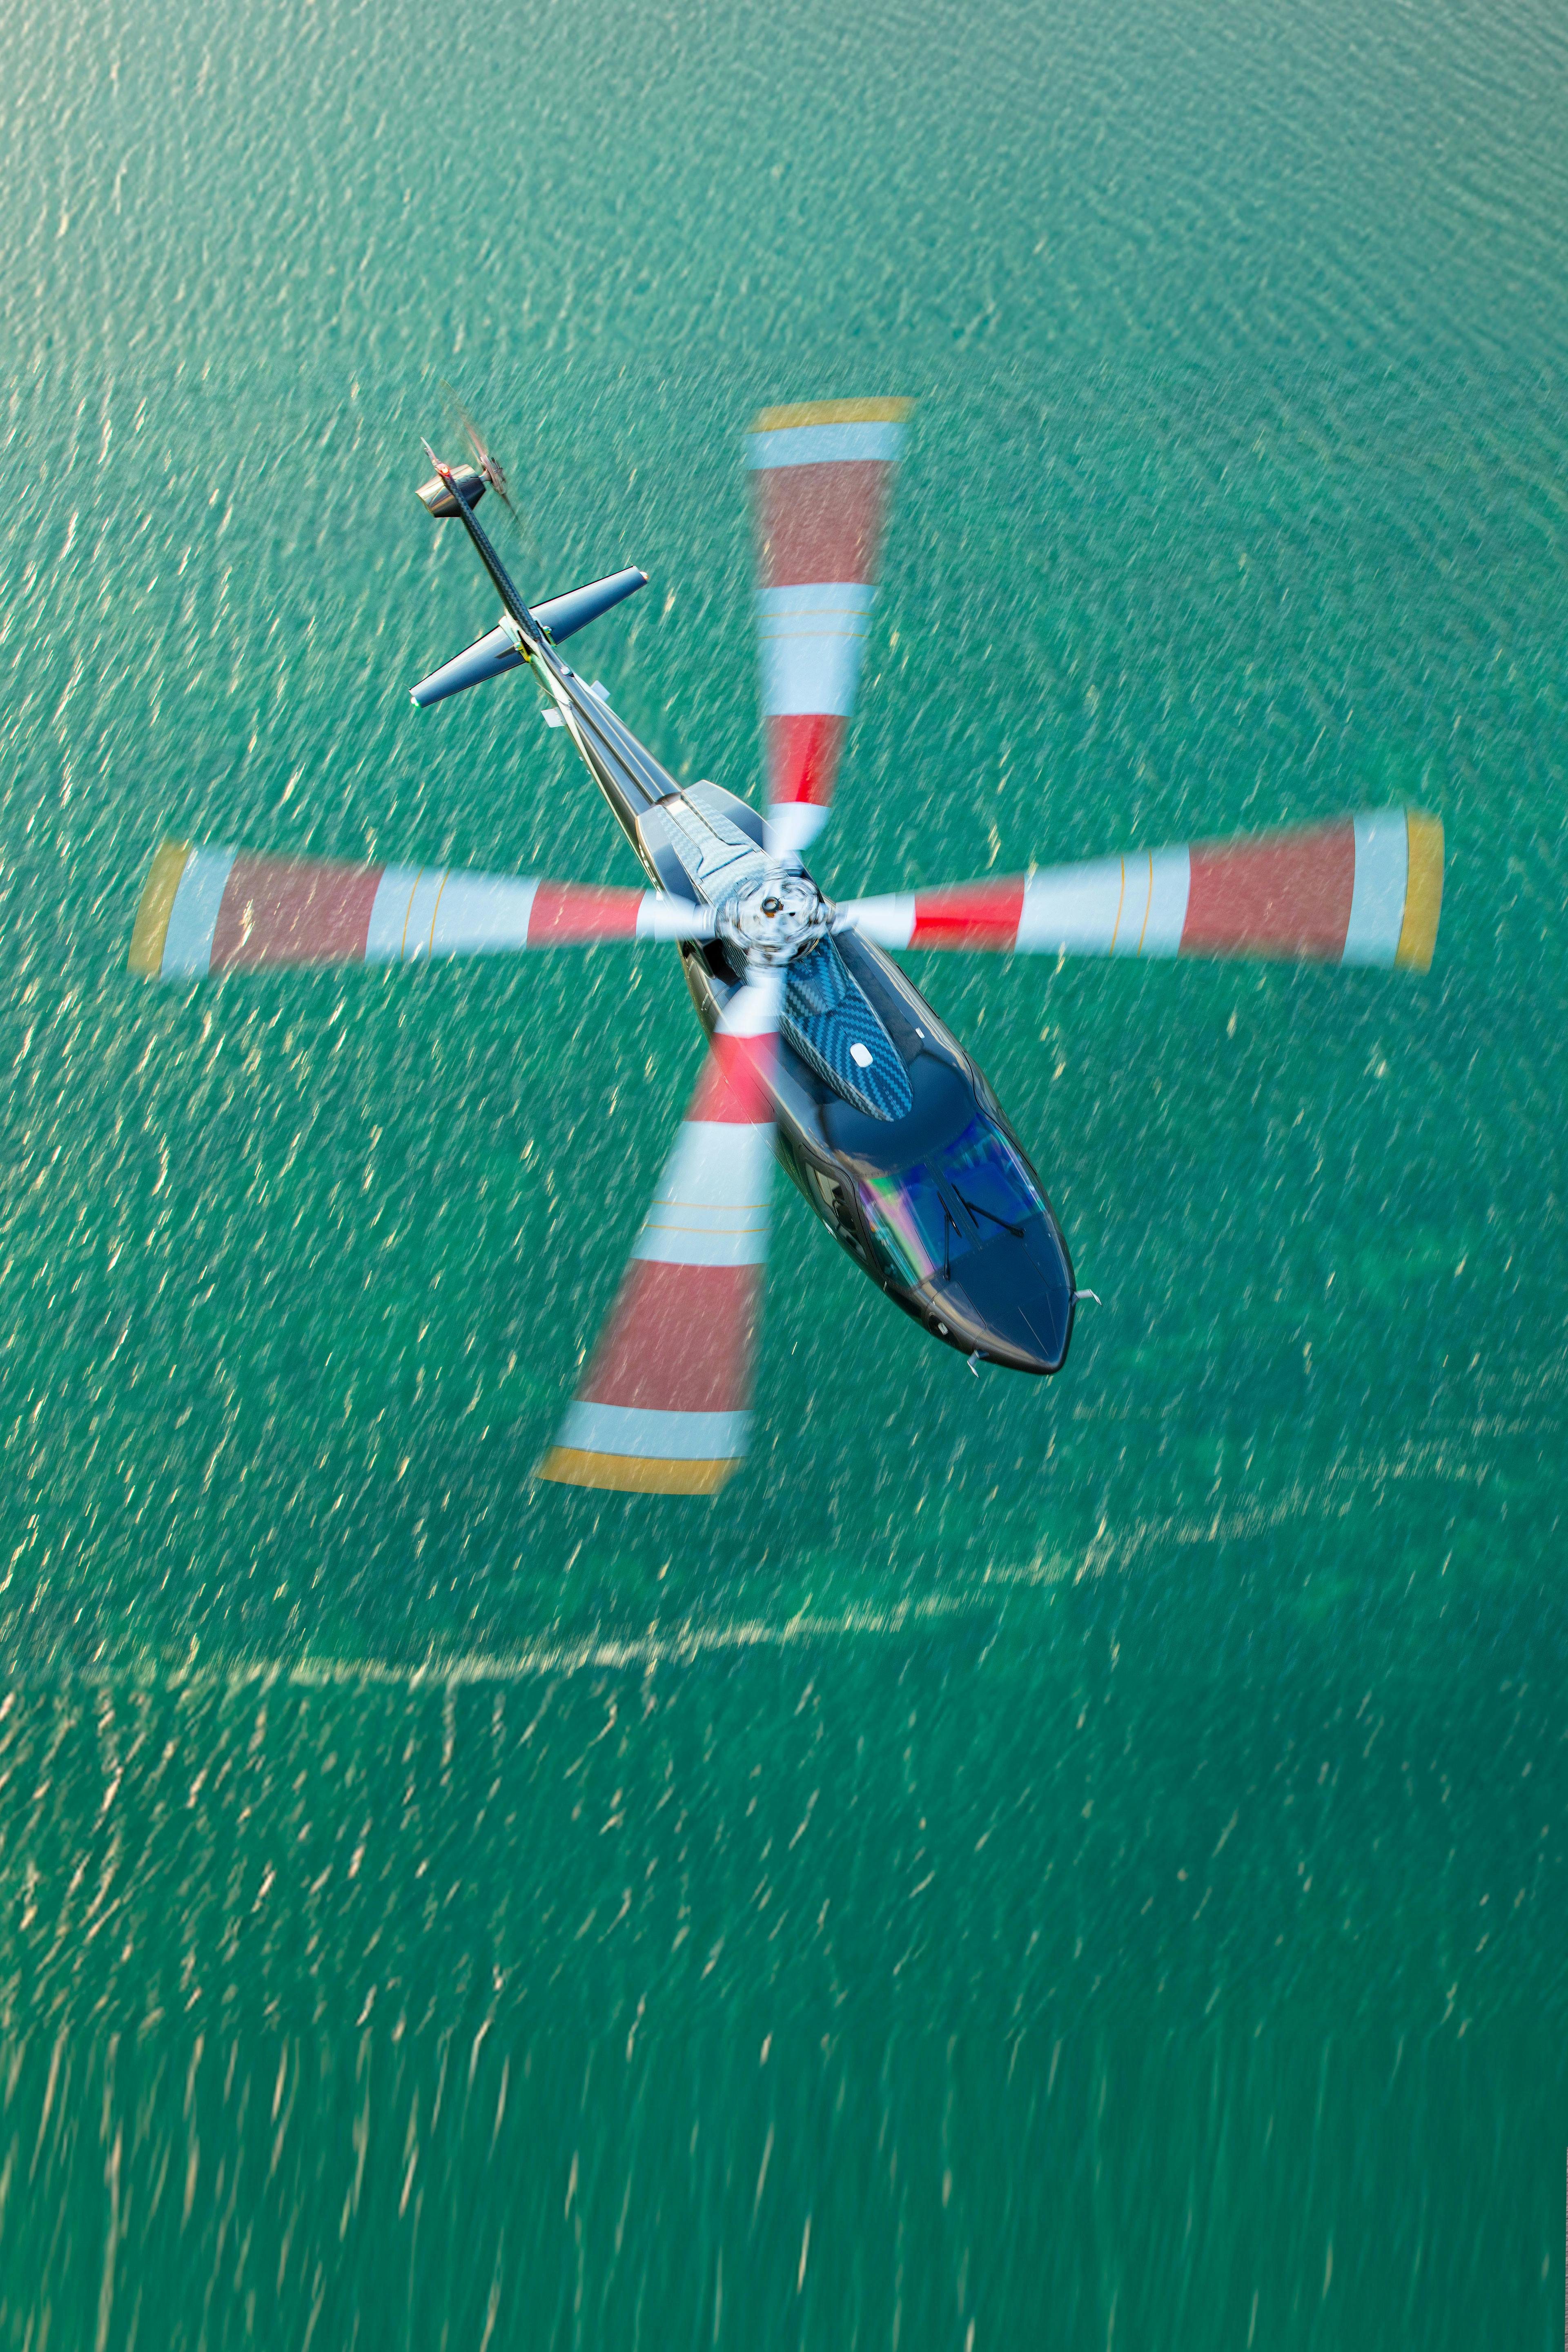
column 492, row 471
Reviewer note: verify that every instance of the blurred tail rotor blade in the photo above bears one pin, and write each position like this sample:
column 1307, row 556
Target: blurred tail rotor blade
column 664, row 1408
column 490, row 466
column 1365, row 890
column 210, row 910
column 820, row 476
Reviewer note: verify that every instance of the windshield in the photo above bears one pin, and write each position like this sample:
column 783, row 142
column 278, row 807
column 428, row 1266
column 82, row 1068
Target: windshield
column 927, row 1216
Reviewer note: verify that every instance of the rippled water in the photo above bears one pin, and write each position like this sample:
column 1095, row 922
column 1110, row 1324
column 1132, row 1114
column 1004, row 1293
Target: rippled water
column 1077, row 1863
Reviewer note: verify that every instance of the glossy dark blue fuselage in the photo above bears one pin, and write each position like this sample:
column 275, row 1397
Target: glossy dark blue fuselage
column 940, row 1208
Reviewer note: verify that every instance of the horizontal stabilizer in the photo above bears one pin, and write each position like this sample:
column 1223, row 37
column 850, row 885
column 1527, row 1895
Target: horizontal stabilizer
column 486, row 657
column 564, row 615
column 497, row 650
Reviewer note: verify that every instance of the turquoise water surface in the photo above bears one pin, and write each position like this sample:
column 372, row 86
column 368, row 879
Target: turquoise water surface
column 1070, row 1865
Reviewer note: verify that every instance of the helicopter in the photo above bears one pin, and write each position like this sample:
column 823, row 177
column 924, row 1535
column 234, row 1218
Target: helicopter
column 821, row 1051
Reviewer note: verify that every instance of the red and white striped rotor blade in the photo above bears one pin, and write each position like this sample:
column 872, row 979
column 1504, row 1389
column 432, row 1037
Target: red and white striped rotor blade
column 208, row 910
column 664, row 1408
column 1365, row 890
column 820, row 475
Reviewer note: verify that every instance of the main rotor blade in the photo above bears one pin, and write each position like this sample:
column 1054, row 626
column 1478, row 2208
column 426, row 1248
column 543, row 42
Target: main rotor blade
column 665, row 1407
column 210, row 910
column 820, row 473
column 1365, row 890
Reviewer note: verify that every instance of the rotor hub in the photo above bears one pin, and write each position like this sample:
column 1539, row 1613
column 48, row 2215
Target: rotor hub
column 775, row 917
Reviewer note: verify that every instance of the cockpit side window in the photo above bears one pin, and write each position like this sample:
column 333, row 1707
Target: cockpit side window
column 907, row 1217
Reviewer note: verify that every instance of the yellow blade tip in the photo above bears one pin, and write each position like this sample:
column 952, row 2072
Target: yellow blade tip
column 146, row 957
column 633, row 1473
column 1423, row 892
column 832, row 412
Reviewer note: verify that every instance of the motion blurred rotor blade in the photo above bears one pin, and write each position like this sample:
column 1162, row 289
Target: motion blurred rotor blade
column 665, row 1407
column 489, row 466
column 211, row 910
column 820, row 475
column 1365, row 890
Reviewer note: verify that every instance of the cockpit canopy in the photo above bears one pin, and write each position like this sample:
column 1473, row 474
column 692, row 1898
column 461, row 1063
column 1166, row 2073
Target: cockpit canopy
column 968, row 1226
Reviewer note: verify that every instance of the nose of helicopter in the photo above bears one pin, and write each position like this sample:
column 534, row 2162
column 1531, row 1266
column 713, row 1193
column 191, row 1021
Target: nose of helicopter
column 1011, row 1299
